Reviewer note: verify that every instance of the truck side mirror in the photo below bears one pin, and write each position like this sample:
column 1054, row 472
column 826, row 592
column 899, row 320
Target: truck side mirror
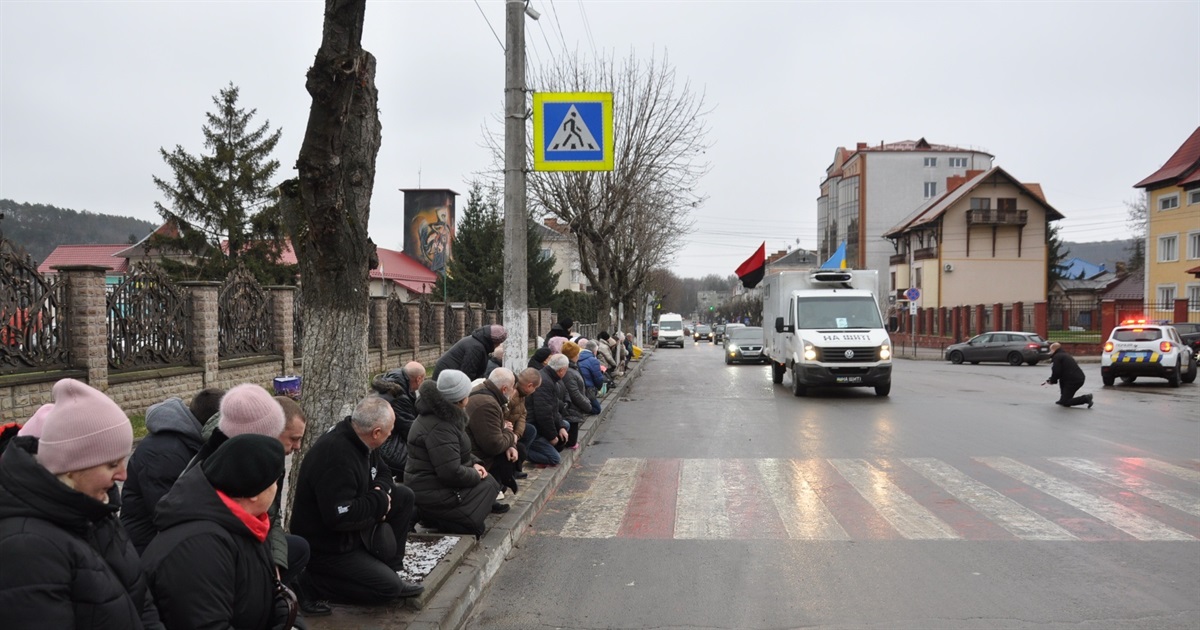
column 780, row 327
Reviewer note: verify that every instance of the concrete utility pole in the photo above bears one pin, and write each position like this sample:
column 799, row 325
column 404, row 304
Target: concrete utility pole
column 516, row 277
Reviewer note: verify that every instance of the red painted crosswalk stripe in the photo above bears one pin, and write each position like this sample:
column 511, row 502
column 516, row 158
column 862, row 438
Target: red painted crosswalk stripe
column 651, row 512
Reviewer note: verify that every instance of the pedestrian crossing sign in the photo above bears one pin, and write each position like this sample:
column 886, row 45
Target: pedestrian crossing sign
column 572, row 131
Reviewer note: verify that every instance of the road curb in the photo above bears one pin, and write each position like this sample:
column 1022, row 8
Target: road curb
column 454, row 601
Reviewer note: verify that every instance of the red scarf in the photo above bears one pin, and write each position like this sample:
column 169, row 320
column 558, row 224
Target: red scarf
column 258, row 525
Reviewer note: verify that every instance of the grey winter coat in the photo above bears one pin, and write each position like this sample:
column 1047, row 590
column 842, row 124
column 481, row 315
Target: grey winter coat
column 604, row 353
column 578, row 403
column 468, row 355
column 156, row 463
column 440, row 468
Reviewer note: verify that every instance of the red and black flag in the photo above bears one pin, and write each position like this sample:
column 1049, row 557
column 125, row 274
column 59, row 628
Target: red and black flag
column 751, row 271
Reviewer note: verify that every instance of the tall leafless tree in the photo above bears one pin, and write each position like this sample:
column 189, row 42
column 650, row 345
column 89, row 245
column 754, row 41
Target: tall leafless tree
column 326, row 209
column 632, row 219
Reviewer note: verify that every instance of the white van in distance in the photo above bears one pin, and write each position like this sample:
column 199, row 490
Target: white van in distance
column 670, row 330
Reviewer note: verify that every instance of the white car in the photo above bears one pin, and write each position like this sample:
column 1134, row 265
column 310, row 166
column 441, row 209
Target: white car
column 1136, row 348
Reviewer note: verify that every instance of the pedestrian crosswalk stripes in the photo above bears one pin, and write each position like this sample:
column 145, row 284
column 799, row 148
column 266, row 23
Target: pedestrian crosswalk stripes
column 982, row 498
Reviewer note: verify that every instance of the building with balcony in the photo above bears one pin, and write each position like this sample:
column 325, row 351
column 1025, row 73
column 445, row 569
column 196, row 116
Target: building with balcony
column 868, row 190
column 981, row 241
column 1173, row 231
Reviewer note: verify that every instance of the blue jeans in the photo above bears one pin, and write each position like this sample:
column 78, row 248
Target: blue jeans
column 541, row 451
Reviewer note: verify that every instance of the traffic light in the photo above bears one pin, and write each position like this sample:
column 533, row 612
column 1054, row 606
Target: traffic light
column 710, row 308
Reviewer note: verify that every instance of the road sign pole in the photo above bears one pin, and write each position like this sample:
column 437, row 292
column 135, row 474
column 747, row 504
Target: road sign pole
column 516, row 279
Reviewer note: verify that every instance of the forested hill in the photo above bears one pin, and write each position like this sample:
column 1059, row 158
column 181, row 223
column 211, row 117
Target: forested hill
column 40, row 228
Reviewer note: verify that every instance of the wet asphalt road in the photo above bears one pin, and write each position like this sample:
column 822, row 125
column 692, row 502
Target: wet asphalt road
column 966, row 499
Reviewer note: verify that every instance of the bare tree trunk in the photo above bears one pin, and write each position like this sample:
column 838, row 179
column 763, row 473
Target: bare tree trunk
column 327, row 209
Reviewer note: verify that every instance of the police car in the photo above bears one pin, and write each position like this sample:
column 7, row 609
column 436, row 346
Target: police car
column 1136, row 348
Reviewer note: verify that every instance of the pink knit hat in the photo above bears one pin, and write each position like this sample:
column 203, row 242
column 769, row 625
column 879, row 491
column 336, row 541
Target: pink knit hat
column 248, row 408
column 497, row 334
column 555, row 344
column 84, row 429
column 33, row 426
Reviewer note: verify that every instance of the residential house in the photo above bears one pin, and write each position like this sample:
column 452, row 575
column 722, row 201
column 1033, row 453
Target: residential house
column 870, row 189
column 1128, row 295
column 557, row 241
column 105, row 256
column 1173, row 230
column 981, row 241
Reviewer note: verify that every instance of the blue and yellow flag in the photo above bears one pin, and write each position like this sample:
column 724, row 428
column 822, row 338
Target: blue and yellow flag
column 838, row 259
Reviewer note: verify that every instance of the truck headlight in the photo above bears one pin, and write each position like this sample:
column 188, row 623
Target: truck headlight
column 885, row 352
column 810, row 352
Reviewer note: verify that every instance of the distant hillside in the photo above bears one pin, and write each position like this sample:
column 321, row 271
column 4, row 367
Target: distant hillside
column 39, row 228
column 1107, row 253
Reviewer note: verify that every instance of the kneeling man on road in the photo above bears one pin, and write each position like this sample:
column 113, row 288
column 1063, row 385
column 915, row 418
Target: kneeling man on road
column 1066, row 373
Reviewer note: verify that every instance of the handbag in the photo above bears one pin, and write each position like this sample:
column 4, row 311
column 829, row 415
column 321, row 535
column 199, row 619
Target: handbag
column 287, row 606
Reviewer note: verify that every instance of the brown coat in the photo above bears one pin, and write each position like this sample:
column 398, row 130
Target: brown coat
column 485, row 423
column 516, row 413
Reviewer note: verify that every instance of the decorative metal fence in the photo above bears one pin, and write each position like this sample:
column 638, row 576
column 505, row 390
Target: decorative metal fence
column 244, row 317
column 448, row 331
column 428, row 320
column 149, row 321
column 1068, row 320
column 397, row 324
column 471, row 318
column 33, row 331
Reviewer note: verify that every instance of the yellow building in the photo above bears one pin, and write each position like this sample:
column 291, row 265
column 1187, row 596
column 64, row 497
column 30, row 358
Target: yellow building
column 1173, row 231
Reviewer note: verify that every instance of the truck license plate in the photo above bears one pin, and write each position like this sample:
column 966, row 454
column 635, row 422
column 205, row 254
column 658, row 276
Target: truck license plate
column 849, row 379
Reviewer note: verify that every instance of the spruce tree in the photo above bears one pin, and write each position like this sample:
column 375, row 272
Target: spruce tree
column 477, row 265
column 224, row 194
column 542, row 279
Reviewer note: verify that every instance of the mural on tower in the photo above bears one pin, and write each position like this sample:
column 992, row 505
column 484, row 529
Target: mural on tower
column 429, row 226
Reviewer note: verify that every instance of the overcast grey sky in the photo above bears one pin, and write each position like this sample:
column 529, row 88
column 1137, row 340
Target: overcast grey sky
column 1085, row 98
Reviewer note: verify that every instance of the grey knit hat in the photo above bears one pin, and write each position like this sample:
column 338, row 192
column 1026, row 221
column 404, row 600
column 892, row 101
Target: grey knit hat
column 453, row 385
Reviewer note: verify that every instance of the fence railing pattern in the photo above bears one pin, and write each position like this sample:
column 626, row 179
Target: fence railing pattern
column 149, row 321
column 471, row 318
column 397, row 324
column 428, row 312
column 448, row 332
column 244, row 322
column 33, row 334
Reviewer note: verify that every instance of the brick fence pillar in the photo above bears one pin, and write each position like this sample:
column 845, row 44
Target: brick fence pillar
column 206, row 343
column 1041, row 321
column 980, row 323
column 1018, row 317
column 87, row 319
column 1108, row 318
column 414, row 326
column 283, row 314
column 998, row 322
column 439, row 324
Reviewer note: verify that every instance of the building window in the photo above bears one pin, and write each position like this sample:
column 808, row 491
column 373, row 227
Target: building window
column 1193, row 197
column 1168, row 248
column 893, row 282
column 930, row 190
column 958, row 162
column 545, row 253
column 1193, row 245
column 1006, row 203
column 575, row 275
column 1166, row 297
column 981, row 203
column 930, row 162
column 1168, row 202
column 917, row 277
column 1193, row 295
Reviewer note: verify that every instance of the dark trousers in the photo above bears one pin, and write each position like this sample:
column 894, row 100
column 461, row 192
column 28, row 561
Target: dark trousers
column 1067, row 397
column 298, row 555
column 572, row 434
column 357, row 576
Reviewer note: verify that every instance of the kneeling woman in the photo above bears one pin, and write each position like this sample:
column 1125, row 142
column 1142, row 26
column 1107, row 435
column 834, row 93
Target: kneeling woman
column 209, row 566
column 454, row 492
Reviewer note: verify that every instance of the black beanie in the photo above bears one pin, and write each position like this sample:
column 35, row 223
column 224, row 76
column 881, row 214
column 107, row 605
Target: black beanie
column 542, row 354
column 245, row 465
column 566, row 323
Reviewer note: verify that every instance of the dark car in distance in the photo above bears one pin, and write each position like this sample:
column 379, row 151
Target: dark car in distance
column 1007, row 346
column 1189, row 332
column 702, row 333
column 745, row 345
column 718, row 333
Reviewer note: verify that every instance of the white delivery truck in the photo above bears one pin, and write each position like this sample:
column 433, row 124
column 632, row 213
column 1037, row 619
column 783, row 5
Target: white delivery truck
column 670, row 330
column 824, row 326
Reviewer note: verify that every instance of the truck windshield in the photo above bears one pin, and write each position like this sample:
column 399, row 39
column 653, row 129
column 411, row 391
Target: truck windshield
column 669, row 325
column 837, row 312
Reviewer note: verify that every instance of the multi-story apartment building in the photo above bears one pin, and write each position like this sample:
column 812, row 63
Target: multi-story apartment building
column 869, row 189
column 558, row 241
column 1173, row 230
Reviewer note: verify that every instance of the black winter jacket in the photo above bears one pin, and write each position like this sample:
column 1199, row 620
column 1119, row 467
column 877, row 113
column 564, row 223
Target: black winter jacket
column 65, row 560
column 156, row 463
column 205, row 567
column 468, row 355
column 543, row 408
column 342, row 491
column 441, row 469
column 395, row 387
column 1064, row 368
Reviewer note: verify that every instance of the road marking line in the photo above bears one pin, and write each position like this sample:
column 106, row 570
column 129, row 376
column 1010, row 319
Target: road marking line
column 1163, row 467
column 700, row 508
column 651, row 511
column 1129, row 521
column 752, row 513
column 909, row 518
column 1012, row 516
column 1156, row 492
column 600, row 512
column 804, row 515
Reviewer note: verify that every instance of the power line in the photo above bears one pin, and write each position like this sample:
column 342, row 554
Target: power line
column 489, row 23
column 561, row 37
column 587, row 27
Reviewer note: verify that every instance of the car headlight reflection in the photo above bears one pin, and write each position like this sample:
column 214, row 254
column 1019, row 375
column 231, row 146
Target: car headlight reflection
column 733, row 349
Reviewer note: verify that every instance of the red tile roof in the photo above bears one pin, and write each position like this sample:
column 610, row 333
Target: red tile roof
column 404, row 270
column 98, row 255
column 1185, row 160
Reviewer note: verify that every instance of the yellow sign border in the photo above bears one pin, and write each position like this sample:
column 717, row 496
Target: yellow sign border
column 539, row 140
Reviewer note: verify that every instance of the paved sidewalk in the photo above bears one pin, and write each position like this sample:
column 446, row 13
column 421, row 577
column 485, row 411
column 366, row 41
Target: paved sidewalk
column 462, row 577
